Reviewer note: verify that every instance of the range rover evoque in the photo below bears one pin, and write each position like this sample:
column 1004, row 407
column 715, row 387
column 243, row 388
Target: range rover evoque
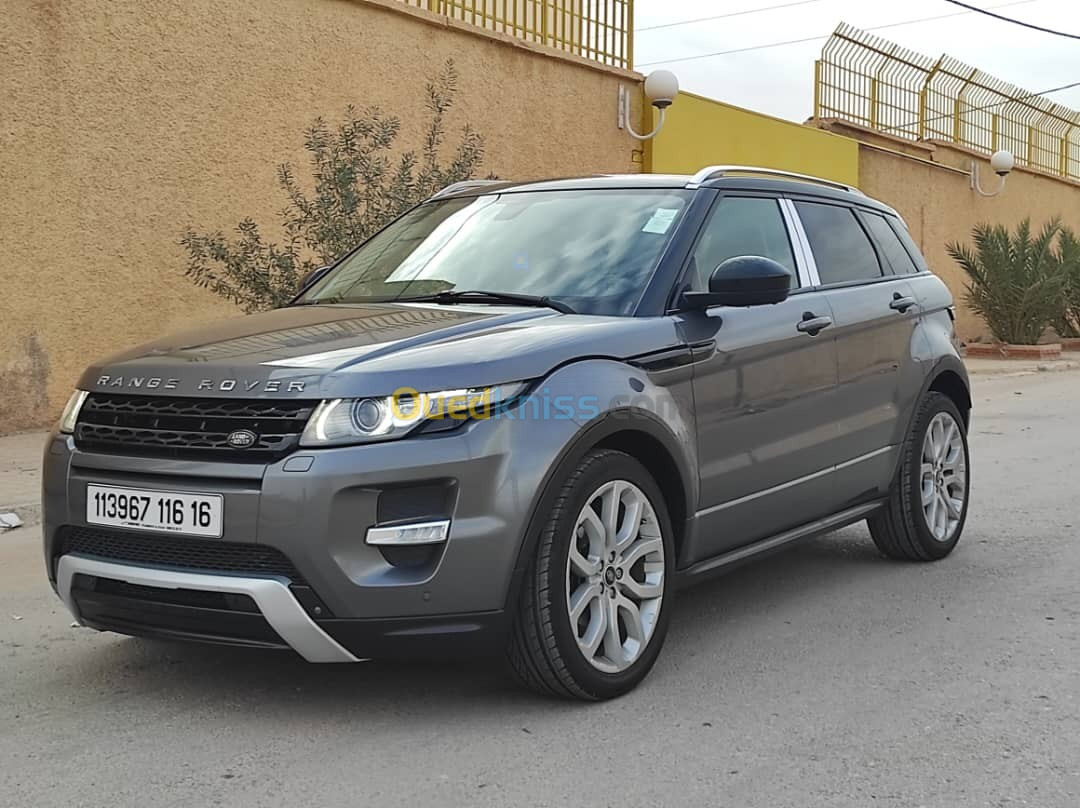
column 519, row 418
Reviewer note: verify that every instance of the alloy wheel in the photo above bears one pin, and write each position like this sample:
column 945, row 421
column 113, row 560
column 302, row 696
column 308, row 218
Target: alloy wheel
column 943, row 476
column 615, row 576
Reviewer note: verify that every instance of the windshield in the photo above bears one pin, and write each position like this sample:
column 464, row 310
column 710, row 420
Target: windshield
column 593, row 250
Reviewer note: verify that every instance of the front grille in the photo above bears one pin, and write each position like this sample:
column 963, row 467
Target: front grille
column 189, row 428
column 178, row 553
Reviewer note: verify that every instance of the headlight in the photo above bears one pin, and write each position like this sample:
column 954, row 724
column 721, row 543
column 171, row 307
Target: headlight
column 71, row 411
column 341, row 421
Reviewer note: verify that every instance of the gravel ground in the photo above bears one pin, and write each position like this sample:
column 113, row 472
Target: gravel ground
column 824, row 676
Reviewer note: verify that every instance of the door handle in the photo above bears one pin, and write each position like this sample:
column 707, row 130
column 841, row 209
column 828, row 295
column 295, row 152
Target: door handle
column 901, row 303
column 812, row 325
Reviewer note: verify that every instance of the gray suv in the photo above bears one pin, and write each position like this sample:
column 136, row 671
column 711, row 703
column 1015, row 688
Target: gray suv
column 519, row 419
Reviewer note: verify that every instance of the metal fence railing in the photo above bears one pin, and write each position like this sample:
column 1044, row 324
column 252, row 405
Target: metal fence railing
column 601, row 30
column 876, row 83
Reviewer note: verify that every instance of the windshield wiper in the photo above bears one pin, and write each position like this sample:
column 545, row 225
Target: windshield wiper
column 480, row 296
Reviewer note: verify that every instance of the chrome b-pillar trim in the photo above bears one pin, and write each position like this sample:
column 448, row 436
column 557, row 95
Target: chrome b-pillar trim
column 277, row 604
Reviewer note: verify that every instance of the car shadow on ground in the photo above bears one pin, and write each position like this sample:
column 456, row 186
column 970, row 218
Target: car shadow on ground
column 248, row 681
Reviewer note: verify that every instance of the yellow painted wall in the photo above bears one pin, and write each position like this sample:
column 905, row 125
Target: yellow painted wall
column 125, row 122
column 701, row 132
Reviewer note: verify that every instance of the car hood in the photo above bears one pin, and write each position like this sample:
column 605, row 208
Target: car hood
column 338, row 351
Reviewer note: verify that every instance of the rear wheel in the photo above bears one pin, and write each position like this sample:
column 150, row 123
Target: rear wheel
column 928, row 505
column 593, row 609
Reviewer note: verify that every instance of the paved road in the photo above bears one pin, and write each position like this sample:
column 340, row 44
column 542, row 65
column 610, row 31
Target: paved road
column 821, row 677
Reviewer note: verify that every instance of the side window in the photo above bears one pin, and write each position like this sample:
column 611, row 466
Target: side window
column 892, row 250
column 743, row 225
column 842, row 250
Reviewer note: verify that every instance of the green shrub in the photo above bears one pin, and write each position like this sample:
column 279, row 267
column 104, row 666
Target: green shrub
column 358, row 188
column 1016, row 283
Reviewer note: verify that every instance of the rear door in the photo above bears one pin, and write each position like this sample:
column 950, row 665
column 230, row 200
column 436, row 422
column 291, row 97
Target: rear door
column 861, row 268
column 764, row 387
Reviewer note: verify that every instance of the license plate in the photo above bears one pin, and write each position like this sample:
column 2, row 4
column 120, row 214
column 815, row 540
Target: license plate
column 162, row 511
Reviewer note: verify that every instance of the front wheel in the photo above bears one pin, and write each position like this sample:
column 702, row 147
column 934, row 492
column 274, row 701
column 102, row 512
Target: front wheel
column 594, row 605
column 928, row 504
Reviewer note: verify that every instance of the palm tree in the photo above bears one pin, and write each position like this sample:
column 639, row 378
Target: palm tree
column 1067, row 324
column 1016, row 283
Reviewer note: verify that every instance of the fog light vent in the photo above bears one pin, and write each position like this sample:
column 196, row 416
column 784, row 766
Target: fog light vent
column 410, row 534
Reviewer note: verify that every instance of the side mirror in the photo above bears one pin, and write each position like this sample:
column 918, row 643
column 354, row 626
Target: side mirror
column 312, row 278
column 746, row 280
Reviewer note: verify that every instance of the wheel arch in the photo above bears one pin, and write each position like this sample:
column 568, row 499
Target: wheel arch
column 949, row 377
column 950, row 383
column 647, row 449
column 640, row 434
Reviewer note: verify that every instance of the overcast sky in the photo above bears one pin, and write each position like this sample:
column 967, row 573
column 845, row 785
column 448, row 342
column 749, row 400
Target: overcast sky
column 780, row 80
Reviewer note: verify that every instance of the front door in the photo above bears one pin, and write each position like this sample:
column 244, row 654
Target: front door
column 764, row 390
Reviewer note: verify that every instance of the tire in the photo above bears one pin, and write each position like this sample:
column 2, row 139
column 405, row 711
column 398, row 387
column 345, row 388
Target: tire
column 907, row 529
column 546, row 649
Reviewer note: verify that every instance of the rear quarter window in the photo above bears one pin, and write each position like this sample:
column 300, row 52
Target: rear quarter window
column 912, row 248
column 892, row 249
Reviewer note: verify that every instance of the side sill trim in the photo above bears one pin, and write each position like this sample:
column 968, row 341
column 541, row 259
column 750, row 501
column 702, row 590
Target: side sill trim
column 277, row 604
column 748, row 552
column 799, row 481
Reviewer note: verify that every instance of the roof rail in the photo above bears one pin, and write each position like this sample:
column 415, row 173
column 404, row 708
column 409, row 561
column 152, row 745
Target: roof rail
column 716, row 172
column 464, row 185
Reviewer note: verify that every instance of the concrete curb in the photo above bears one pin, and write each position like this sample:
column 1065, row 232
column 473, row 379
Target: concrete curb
column 1021, row 353
column 1011, row 368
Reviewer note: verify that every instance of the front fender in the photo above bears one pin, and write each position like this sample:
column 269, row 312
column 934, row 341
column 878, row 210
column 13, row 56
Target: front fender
column 611, row 397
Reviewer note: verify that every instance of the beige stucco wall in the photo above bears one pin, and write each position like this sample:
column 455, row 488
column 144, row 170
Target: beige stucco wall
column 123, row 122
column 928, row 183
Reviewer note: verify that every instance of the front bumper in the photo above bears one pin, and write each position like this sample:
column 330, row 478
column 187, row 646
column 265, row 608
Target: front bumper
column 276, row 604
column 158, row 603
column 346, row 600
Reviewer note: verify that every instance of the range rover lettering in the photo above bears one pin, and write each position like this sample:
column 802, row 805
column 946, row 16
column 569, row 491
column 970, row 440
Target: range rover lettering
column 517, row 420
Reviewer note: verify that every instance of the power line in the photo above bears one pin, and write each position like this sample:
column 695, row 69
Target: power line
column 1034, row 27
column 1004, row 101
column 815, row 38
column 723, row 16
column 1010, row 100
